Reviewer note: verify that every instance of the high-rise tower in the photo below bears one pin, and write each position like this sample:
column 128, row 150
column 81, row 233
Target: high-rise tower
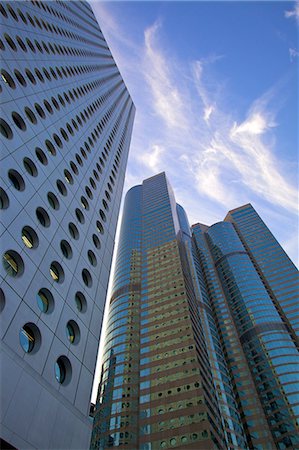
column 66, row 123
column 197, row 351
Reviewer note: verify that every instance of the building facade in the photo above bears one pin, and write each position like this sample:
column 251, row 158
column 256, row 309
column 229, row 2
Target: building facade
column 66, row 123
column 198, row 351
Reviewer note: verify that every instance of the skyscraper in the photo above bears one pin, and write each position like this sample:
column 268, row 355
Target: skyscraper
column 66, row 123
column 198, row 353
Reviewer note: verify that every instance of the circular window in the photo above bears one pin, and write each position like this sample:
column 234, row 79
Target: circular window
column 163, row 444
column 2, row 300
column 30, row 115
column 18, row 121
column 29, row 237
column 53, row 200
column 96, row 241
column 30, row 76
column 173, row 441
column 56, row 272
column 66, row 249
column 20, row 78
column 81, row 303
column 74, row 168
column 68, row 177
column 79, row 160
column 7, row 79
column 105, row 204
column 45, row 300
column 184, row 439
column 5, row 129
column 39, row 111
column 48, row 107
column 13, row 263
column 84, row 203
column 41, row 156
column 92, row 258
column 50, row 147
column 57, row 140
column 63, row 370
column 4, row 200
column 16, row 180
column 79, row 215
column 100, row 227
column 61, row 188
column 72, row 332
column 73, row 231
column 88, row 192
column 86, row 277
column 43, row 217
column 103, row 215
column 30, row 337
column 30, row 167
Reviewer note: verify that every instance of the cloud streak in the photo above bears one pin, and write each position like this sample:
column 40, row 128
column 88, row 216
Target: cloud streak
column 218, row 151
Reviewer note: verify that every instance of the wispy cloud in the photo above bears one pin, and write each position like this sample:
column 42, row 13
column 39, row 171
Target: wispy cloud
column 293, row 54
column 293, row 13
column 168, row 101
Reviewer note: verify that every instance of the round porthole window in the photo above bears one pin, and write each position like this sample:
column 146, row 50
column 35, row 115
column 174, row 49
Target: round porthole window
column 68, row 177
column 7, row 79
column 61, row 187
column 29, row 237
column 13, row 263
column 43, row 217
column 18, row 121
column 73, row 231
column 41, row 156
column 96, row 241
column 16, row 180
column 4, row 200
column 66, row 249
column 56, row 272
column 53, row 200
column 30, row 337
column 84, row 203
column 72, row 332
column 30, row 167
column 80, row 301
column 2, row 300
column 103, row 215
column 79, row 215
column 5, row 129
column 92, row 258
column 86, row 277
column 100, row 227
column 45, row 300
column 63, row 370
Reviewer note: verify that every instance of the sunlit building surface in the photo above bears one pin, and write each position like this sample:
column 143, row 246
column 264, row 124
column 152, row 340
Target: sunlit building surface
column 66, row 120
column 198, row 351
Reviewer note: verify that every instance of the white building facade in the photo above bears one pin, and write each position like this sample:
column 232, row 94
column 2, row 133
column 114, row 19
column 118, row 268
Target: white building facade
column 66, row 120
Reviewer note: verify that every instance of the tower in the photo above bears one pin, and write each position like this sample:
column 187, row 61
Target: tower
column 197, row 354
column 66, row 123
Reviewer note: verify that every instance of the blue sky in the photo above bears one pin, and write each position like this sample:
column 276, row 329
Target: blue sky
column 215, row 87
column 216, row 92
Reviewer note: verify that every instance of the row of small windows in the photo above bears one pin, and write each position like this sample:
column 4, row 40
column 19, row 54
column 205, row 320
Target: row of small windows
column 67, row 71
column 18, row 120
column 47, row 26
column 54, row 49
column 14, row 264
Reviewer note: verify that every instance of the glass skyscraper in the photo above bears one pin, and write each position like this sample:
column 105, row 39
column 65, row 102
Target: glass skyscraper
column 65, row 126
column 200, row 349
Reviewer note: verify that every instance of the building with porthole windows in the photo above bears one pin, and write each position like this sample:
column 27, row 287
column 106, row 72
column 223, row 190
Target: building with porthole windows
column 65, row 125
column 200, row 347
